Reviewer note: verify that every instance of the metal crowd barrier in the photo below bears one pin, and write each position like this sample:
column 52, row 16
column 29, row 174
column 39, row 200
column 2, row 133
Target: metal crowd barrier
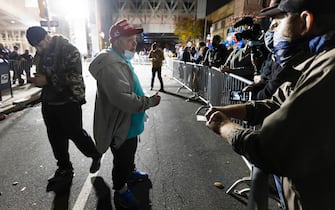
column 214, row 88
column 5, row 81
column 10, row 71
column 19, row 68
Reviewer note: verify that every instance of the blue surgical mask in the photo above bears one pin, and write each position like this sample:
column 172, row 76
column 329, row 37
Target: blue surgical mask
column 129, row 54
column 278, row 37
column 268, row 40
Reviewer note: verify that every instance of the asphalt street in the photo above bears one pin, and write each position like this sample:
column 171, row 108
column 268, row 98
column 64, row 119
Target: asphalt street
column 183, row 159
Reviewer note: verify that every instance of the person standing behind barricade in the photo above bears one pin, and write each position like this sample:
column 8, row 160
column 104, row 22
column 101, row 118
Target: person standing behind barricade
column 59, row 74
column 3, row 52
column 157, row 56
column 291, row 143
column 26, row 64
column 120, row 106
column 186, row 55
column 216, row 56
column 239, row 61
column 201, row 52
column 274, row 72
column 14, row 58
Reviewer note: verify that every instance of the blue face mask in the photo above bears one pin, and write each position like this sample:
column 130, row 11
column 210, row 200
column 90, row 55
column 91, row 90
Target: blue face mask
column 268, row 40
column 282, row 48
column 129, row 54
column 277, row 37
column 285, row 48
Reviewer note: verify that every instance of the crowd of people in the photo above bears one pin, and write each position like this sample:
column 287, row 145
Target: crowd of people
column 242, row 55
column 291, row 64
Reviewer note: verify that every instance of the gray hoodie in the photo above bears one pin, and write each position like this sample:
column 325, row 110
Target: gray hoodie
column 115, row 100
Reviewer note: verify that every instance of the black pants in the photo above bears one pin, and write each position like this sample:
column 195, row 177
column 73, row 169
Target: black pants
column 64, row 122
column 159, row 74
column 123, row 162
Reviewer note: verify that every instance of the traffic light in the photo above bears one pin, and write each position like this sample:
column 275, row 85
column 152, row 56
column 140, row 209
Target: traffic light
column 42, row 5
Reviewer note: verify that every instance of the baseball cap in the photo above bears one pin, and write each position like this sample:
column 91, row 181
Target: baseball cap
column 297, row 6
column 273, row 4
column 122, row 28
column 35, row 35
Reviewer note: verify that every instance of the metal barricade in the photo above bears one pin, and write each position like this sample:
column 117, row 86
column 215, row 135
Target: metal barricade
column 183, row 74
column 20, row 68
column 200, row 81
column 5, row 81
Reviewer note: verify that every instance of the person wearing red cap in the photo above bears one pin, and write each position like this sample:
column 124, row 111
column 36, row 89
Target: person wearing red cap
column 120, row 109
column 291, row 142
column 59, row 74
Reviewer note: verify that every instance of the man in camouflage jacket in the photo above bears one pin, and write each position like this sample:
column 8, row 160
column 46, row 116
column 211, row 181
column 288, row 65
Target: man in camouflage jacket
column 59, row 74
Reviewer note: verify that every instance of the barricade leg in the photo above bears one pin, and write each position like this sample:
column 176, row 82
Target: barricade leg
column 259, row 191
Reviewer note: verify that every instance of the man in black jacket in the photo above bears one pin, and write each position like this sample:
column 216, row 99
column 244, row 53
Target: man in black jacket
column 217, row 55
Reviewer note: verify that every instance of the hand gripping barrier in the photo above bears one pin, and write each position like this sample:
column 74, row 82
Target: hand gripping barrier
column 214, row 88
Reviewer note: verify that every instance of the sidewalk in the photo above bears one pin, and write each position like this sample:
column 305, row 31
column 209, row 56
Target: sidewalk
column 22, row 96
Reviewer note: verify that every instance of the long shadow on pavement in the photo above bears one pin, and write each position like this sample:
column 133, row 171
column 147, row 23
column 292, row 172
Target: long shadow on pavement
column 62, row 193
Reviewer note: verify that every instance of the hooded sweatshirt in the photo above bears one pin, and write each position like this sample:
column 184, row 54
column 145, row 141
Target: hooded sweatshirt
column 115, row 101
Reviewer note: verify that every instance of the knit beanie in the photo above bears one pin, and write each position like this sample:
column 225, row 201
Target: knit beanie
column 35, row 35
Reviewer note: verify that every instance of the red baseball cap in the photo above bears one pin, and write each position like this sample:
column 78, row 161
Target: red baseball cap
column 122, row 28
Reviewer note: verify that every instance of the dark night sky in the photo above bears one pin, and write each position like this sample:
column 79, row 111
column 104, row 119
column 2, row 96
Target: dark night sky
column 213, row 5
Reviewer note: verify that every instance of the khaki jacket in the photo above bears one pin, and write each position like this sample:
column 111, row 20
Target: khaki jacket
column 157, row 57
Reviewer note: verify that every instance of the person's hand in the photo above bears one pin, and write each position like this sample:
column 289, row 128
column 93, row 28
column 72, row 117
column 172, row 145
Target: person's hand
column 39, row 80
column 224, row 69
column 257, row 78
column 210, row 111
column 247, row 88
column 216, row 120
column 157, row 97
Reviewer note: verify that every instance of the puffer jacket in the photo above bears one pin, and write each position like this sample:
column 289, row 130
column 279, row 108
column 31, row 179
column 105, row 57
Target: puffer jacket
column 115, row 100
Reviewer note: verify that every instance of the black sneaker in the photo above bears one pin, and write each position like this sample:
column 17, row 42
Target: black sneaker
column 61, row 180
column 95, row 166
column 125, row 200
column 61, row 174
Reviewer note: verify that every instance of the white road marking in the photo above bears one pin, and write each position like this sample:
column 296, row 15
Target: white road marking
column 85, row 191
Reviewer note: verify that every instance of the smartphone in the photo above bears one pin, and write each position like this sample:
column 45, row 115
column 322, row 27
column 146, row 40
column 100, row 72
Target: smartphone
column 239, row 95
